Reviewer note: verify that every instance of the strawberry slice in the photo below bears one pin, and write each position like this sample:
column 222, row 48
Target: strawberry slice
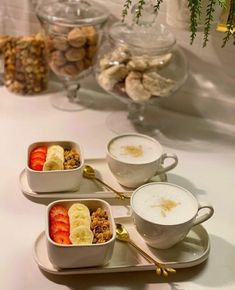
column 61, row 218
column 61, row 237
column 37, row 164
column 42, row 149
column 37, row 155
column 58, row 209
column 58, row 226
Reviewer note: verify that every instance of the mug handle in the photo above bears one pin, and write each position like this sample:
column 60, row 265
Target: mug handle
column 206, row 216
column 169, row 167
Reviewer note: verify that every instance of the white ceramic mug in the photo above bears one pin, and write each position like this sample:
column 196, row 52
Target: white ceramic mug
column 135, row 158
column 164, row 213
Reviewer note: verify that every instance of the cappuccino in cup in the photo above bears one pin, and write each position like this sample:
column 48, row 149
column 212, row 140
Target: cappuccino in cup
column 135, row 158
column 166, row 205
column 164, row 213
column 135, row 149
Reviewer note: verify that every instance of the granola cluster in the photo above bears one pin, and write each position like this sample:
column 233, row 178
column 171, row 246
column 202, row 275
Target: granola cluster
column 100, row 226
column 71, row 159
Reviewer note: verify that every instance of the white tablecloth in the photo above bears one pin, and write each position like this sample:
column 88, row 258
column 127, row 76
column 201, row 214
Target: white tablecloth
column 206, row 167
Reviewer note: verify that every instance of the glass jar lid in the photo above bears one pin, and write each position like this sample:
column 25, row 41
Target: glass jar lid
column 72, row 12
column 144, row 36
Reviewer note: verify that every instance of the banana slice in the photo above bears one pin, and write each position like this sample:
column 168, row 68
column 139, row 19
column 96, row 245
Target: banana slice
column 55, row 149
column 54, row 163
column 54, row 158
column 79, row 221
column 76, row 215
column 78, row 208
column 81, row 235
column 55, row 155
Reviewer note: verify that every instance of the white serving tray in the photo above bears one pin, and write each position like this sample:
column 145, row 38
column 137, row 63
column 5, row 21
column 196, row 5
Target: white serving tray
column 88, row 188
column 193, row 250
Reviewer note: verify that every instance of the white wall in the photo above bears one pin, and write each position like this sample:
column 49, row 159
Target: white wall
column 17, row 17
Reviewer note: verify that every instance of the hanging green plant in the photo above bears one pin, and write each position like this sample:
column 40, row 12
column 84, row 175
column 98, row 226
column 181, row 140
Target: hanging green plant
column 230, row 33
column 195, row 8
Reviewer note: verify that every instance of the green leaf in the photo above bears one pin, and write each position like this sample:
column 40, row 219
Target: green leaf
column 209, row 18
column 157, row 5
column 125, row 9
column 230, row 25
column 139, row 9
column 195, row 13
column 222, row 3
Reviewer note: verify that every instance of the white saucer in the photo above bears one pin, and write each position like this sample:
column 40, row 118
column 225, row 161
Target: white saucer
column 193, row 250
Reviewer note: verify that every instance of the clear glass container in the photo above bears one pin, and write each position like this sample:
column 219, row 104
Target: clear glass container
column 140, row 63
column 3, row 41
column 25, row 64
column 72, row 30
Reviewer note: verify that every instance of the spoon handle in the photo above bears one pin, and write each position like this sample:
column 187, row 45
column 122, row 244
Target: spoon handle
column 161, row 269
column 146, row 256
column 121, row 195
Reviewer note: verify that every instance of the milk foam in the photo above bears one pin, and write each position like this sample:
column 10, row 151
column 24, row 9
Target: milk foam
column 164, row 204
column 135, row 149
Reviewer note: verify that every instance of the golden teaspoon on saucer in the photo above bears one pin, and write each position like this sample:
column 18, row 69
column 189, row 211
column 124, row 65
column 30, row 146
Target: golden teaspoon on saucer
column 89, row 173
column 123, row 235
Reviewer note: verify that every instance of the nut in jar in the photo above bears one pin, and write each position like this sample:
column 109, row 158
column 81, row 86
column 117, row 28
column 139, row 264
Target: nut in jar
column 25, row 65
column 3, row 41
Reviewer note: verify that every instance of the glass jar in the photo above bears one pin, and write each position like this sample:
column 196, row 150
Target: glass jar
column 72, row 30
column 140, row 63
column 3, row 41
column 25, row 65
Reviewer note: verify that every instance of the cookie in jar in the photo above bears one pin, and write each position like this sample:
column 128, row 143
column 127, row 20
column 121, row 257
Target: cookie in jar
column 139, row 63
column 72, row 51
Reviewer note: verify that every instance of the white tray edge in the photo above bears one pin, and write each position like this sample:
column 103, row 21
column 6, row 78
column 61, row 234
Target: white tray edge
column 46, row 198
column 146, row 266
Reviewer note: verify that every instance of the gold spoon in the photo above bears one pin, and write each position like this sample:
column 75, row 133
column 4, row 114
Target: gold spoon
column 123, row 235
column 89, row 172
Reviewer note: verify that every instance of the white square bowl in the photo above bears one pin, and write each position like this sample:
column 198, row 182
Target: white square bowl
column 56, row 180
column 78, row 256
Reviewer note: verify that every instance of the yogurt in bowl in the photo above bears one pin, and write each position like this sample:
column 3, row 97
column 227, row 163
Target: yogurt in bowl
column 50, row 169
column 83, row 237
